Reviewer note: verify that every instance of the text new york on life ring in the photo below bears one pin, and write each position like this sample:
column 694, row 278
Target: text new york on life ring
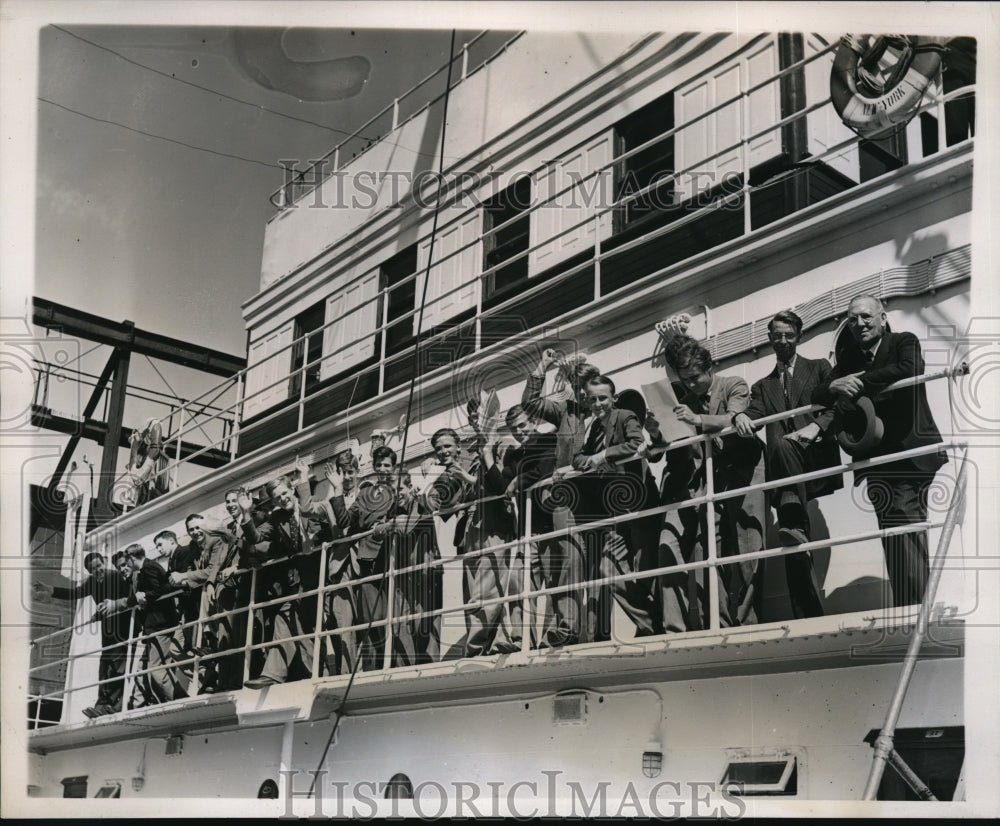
column 870, row 99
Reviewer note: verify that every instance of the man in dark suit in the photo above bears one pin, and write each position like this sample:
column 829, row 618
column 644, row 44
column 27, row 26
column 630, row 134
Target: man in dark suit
column 294, row 531
column 872, row 360
column 370, row 514
column 563, row 559
column 105, row 588
column 798, row 445
column 614, row 435
column 160, row 619
column 181, row 559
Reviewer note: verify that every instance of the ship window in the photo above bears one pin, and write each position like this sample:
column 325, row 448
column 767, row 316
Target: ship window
column 75, row 786
column 935, row 755
column 654, row 163
column 510, row 237
column 110, row 790
column 401, row 299
column 757, row 776
column 308, row 321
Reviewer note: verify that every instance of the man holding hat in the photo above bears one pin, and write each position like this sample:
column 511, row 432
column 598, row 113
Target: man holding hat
column 873, row 359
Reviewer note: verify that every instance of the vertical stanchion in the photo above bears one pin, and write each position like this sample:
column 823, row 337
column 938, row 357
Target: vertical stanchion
column 389, row 597
column 711, row 553
column 383, row 339
column 745, row 158
column 527, row 613
column 248, row 639
column 175, row 471
column 941, row 125
column 597, row 251
column 129, row 683
column 237, row 413
column 302, row 381
column 319, row 641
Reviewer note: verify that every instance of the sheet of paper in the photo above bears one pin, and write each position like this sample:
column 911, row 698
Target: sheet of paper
column 661, row 401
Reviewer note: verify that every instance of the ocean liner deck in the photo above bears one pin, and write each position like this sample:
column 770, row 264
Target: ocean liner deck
column 628, row 179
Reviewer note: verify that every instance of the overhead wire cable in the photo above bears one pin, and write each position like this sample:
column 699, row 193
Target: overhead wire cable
column 402, row 450
column 256, row 106
column 162, row 137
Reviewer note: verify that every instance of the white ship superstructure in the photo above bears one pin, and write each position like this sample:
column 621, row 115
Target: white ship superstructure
column 592, row 186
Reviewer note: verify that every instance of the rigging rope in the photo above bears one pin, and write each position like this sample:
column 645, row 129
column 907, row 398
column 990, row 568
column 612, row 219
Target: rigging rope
column 406, row 431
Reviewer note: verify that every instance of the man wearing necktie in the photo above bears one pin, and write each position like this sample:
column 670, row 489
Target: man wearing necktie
column 619, row 487
column 294, row 530
column 710, row 404
column 870, row 361
column 564, row 559
column 798, row 445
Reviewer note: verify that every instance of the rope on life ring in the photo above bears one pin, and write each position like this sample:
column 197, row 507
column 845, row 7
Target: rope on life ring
column 870, row 105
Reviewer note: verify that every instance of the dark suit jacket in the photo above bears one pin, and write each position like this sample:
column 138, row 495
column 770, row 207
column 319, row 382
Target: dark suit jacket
column 766, row 399
column 567, row 415
column 622, row 440
column 905, row 414
column 159, row 614
column 273, row 540
column 375, row 503
column 115, row 627
column 528, row 464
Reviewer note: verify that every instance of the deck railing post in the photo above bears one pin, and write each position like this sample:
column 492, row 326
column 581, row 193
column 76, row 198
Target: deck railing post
column 745, row 160
column 711, row 552
column 528, row 607
column 597, row 252
column 302, row 381
column 319, row 641
column 389, row 597
column 129, row 685
column 175, row 471
column 383, row 339
column 248, row 639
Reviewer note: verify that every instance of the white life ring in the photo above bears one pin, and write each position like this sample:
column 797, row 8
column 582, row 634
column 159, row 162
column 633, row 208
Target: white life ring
column 869, row 106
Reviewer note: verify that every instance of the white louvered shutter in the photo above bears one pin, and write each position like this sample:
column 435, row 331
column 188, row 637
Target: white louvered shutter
column 269, row 361
column 350, row 338
column 458, row 262
column 559, row 212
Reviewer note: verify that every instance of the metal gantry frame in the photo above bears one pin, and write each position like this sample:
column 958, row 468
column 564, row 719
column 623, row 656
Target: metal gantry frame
column 125, row 339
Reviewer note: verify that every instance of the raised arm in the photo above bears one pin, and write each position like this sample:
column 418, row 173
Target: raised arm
column 531, row 398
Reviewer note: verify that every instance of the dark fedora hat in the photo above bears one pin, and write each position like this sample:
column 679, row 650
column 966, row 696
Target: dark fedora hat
column 863, row 430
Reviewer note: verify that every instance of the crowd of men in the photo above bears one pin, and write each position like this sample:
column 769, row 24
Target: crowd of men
column 192, row 612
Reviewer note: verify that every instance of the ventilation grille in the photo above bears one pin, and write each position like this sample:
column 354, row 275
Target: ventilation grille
column 569, row 709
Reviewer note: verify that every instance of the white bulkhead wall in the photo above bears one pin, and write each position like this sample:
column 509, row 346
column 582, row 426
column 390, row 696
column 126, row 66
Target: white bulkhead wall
column 519, row 84
column 556, row 158
column 821, row 716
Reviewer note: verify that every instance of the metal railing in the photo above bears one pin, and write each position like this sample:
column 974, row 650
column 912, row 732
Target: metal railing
column 530, row 591
column 375, row 336
column 307, row 180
